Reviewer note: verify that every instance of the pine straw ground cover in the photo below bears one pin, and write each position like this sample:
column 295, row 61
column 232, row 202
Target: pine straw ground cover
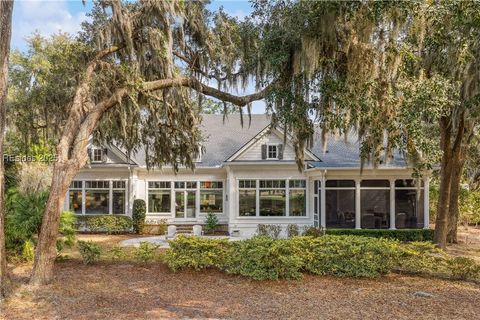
column 121, row 290
column 130, row 290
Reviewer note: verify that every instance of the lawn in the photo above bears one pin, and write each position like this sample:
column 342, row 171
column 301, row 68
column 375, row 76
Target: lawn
column 129, row 290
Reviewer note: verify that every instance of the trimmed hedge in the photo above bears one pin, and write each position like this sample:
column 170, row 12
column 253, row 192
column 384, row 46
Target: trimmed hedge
column 110, row 224
column 399, row 234
column 138, row 215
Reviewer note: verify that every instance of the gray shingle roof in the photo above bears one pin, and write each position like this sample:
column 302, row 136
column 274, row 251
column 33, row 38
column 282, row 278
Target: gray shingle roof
column 224, row 138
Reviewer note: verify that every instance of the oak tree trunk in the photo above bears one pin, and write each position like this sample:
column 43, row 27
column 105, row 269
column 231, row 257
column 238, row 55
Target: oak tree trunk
column 6, row 8
column 454, row 198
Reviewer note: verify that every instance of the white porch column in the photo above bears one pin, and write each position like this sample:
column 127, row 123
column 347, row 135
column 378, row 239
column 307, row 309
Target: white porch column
column 392, row 204
column 231, row 198
column 426, row 203
column 358, row 215
column 323, row 216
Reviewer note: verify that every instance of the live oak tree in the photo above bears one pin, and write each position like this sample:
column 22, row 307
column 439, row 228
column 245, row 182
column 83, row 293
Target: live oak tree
column 141, row 62
column 6, row 8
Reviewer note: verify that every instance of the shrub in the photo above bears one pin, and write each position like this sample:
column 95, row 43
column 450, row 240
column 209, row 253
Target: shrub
column 346, row 256
column 293, row 230
column 269, row 230
column 211, row 222
column 67, row 231
column 313, row 232
column 145, row 252
column 110, row 224
column 263, row 258
column 90, row 251
column 28, row 251
column 138, row 215
column 117, row 253
column 196, row 253
column 463, row 268
column 400, row 234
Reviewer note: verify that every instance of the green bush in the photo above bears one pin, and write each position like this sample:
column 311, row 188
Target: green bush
column 268, row 230
column 23, row 220
column 399, row 234
column 347, row 256
column 90, row 251
column 313, row 232
column 196, row 253
column 111, row 224
column 138, row 215
column 117, row 253
column 463, row 268
column 145, row 252
column 263, row 258
column 293, row 230
column 28, row 251
column 211, row 222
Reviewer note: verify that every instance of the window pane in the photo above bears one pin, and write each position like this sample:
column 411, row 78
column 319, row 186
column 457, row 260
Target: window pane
column 118, row 202
column 179, row 204
column 272, row 203
column 179, row 185
column 211, row 185
column 272, row 184
column 408, row 209
column 375, row 209
column 247, row 183
column 297, row 183
column 191, row 207
column 340, row 208
column 375, row 183
column 211, row 201
column 118, row 184
column 247, row 203
column 298, row 203
column 159, row 201
column 76, row 185
column 340, row 183
column 75, row 201
column 191, row 185
column 96, row 202
column 97, row 184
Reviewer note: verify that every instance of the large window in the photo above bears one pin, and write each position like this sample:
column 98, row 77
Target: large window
column 340, row 203
column 118, row 197
column 75, row 197
column 159, row 197
column 211, row 196
column 408, row 204
column 97, row 197
column 276, row 198
column 375, row 204
column 247, row 198
column 297, row 198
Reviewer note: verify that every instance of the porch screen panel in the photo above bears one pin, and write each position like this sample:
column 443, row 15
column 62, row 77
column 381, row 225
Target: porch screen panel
column 247, row 198
column 375, row 204
column 340, row 203
column 409, row 205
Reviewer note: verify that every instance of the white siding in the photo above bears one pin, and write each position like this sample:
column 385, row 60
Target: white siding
column 255, row 151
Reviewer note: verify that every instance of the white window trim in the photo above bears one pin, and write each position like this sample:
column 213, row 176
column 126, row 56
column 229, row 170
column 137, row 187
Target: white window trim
column 268, row 152
column 101, row 155
column 110, row 195
column 287, row 199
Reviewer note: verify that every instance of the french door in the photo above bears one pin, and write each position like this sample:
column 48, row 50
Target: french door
column 185, row 204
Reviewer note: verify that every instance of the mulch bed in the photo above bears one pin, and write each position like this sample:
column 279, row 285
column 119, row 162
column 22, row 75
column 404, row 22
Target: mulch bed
column 126, row 290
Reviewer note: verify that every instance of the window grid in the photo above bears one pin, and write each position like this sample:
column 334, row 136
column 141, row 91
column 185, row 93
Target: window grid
column 272, row 151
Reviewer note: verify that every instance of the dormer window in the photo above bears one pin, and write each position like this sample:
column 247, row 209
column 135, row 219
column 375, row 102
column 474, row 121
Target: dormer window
column 272, row 152
column 97, row 155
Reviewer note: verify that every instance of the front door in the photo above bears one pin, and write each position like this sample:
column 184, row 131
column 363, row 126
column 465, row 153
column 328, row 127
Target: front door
column 185, row 204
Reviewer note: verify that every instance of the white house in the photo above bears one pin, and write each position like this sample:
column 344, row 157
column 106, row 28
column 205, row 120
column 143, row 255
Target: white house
column 248, row 176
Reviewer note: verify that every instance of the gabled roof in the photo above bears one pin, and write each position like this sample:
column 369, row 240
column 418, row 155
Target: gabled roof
column 223, row 139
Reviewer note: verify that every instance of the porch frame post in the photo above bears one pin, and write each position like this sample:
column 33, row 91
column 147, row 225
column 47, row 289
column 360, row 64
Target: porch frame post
column 392, row 204
column 426, row 203
column 358, row 214
column 323, row 216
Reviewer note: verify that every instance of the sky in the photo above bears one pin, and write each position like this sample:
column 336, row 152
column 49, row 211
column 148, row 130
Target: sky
column 50, row 17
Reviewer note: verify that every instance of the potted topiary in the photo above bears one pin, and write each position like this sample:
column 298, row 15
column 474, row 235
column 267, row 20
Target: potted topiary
column 211, row 222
